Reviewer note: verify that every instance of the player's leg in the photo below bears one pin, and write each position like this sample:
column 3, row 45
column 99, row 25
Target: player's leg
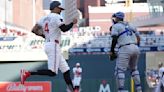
column 162, row 88
column 68, row 80
column 76, row 83
column 121, row 66
column 50, row 71
column 65, row 69
column 47, row 72
column 44, row 72
column 134, row 71
column 158, row 87
column 162, row 82
column 136, row 77
column 50, row 49
column 25, row 74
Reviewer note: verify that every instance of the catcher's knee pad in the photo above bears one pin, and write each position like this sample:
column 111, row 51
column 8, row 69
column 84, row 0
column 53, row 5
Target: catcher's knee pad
column 119, row 72
column 67, row 77
column 136, row 77
column 120, row 76
column 134, row 72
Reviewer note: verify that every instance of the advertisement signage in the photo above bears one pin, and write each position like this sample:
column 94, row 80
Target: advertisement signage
column 106, row 50
column 27, row 87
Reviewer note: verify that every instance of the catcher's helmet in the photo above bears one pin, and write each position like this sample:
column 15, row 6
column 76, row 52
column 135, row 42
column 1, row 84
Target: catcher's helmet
column 55, row 4
column 120, row 15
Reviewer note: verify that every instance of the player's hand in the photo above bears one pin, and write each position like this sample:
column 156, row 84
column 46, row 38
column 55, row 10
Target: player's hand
column 112, row 56
column 74, row 21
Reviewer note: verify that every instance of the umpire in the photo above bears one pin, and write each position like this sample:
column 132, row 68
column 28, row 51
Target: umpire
column 127, row 38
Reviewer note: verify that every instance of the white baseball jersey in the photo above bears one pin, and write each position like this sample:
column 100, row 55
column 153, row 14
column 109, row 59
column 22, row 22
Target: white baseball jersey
column 125, row 36
column 50, row 25
column 77, row 71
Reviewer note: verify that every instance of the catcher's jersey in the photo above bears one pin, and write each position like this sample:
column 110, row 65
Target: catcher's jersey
column 77, row 71
column 50, row 25
column 125, row 32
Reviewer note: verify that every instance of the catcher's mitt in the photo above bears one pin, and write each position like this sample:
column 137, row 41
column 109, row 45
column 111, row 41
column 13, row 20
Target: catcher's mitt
column 113, row 56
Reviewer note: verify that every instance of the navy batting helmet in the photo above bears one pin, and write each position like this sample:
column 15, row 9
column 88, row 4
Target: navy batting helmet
column 55, row 4
column 120, row 15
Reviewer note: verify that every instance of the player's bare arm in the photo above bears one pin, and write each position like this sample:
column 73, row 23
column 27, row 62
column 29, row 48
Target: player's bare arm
column 65, row 27
column 36, row 31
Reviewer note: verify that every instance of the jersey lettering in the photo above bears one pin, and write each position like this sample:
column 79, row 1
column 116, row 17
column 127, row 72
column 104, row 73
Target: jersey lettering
column 46, row 28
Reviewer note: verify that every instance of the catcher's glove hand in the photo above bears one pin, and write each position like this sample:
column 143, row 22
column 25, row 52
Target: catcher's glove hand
column 113, row 56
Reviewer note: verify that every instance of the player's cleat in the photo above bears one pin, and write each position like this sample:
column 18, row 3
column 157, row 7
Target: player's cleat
column 24, row 75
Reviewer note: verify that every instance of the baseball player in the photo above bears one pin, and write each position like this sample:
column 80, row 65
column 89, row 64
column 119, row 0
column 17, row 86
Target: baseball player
column 50, row 27
column 77, row 70
column 160, row 86
column 127, row 38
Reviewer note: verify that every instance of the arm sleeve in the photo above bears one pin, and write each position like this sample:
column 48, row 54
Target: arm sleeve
column 114, row 34
column 114, row 42
column 62, row 25
column 65, row 28
column 110, row 29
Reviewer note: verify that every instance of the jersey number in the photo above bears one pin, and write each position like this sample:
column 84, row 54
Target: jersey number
column 46, row 27
column 129, row 33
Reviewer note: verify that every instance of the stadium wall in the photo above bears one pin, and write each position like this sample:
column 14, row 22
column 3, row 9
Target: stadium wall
column 97, row 70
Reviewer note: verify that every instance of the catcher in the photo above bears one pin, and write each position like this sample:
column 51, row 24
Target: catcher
column 126, row 37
